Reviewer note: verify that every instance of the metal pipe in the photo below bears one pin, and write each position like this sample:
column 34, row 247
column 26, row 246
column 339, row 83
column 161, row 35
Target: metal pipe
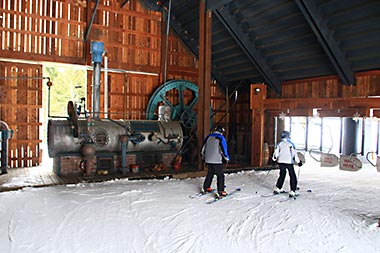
column 96, row 91
column 307, row 134
column 167, row 42
column 378, row 135
column 363, row 136
column 124, row 142
column 97, row 50
column 24, row 77
column 106, row 87
column 227, row 113
column 321, row 137
column 275, row 130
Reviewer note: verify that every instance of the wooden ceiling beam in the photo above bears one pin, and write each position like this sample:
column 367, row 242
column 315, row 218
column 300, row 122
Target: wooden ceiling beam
column 248, row 48
column 327, row 41
column 216, row 4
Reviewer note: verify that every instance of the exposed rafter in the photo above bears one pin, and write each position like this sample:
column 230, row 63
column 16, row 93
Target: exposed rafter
column 190, row 42
column 248, row 47
column 215, row 4
column 193, row 46
column 123, row 2
column 326, row 40
column 88, row 29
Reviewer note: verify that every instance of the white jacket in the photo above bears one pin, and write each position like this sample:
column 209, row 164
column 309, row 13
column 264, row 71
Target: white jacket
column 285, row 152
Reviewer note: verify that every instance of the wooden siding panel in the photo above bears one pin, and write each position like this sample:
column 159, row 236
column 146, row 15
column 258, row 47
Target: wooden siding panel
column 43, row 28
column 21, row 94
column 367, row 84
column 53, row 30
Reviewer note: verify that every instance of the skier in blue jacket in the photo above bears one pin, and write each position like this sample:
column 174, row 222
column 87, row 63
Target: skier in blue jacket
column 213, row 152
column 285, row 154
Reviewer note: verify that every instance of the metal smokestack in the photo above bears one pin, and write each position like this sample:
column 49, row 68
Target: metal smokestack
column 97, row 49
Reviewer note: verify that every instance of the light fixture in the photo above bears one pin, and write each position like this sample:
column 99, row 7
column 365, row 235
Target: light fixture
column 316, row 112
column 356, row 116
column 257, row 90
column 282, row 116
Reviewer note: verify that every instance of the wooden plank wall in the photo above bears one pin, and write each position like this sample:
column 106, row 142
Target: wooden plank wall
column 20, row 104
column 42, row 30
column 54, row 31
column 367, row 84
column 133, row 40
column 131, row 35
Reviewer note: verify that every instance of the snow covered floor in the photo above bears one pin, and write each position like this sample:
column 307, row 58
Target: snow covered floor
column 339, row 215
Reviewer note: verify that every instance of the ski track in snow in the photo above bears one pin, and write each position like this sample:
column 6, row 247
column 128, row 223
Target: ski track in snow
column 158, row 216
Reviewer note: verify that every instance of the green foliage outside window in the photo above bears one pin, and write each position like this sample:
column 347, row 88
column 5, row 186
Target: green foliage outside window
column 69, row 84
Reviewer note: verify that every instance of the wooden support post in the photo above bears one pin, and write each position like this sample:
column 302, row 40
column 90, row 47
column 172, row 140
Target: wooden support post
column 204, row 76
column 258, row 94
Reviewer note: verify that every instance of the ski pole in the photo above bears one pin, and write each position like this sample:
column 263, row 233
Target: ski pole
column 298, row 177
column 263, row 181
column 225, row 167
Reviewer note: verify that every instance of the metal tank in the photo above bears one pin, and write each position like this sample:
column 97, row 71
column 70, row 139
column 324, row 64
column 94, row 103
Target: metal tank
column 349, row 136
column 106, row 135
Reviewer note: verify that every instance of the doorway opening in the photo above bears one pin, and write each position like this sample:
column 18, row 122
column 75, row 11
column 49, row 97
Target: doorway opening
column 330, row 135
column 69, row 83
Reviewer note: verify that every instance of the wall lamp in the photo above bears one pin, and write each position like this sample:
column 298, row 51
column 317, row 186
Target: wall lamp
column 282, row 115
column 356, row 116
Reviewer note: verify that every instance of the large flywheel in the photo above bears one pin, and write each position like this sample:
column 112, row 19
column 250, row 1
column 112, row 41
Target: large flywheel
column 181, row 96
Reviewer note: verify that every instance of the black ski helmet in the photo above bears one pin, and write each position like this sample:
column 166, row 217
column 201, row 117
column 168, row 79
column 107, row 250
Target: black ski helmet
column 285, row 134
column 220, row 128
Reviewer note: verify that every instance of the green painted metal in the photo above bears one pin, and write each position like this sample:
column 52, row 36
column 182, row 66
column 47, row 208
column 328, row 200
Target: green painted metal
column 182, row 112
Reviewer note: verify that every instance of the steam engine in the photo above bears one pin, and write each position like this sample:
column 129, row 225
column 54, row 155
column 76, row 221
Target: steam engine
column 104, row 145
column 90, row 144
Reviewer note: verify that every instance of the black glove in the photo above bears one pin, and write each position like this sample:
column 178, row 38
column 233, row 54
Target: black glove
column 300, row 164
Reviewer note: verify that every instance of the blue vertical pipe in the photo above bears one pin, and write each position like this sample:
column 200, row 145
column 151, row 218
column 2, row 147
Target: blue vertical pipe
column 97, row 50
column 124, row 141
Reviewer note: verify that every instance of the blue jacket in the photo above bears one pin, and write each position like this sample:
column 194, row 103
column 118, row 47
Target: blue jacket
column 214, row 149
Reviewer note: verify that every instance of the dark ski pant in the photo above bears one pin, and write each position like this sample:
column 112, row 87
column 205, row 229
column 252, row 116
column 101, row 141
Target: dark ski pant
column 214, row 169
column 292, row 175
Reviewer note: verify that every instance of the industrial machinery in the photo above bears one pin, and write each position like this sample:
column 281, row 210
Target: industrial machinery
column 184, row 97
column 90, row 145
column 112, row 145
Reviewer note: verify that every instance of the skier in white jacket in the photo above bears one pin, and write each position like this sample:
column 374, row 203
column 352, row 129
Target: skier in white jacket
column 285, row 154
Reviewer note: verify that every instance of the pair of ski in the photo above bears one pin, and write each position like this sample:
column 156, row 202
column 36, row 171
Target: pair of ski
column 282, row 193
column 201, row 194
column 279, row 194
column 216, row 198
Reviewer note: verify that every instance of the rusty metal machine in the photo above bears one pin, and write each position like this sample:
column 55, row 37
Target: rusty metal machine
column 112, row 145
column 90, row 145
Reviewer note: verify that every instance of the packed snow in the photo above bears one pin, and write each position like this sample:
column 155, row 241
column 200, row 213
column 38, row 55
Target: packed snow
column 337, row 211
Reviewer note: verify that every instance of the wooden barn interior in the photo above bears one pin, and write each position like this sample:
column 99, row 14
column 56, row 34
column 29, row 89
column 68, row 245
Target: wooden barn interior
column 158, row 76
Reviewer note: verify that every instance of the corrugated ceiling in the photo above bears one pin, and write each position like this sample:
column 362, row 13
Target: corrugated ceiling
column 275, row 41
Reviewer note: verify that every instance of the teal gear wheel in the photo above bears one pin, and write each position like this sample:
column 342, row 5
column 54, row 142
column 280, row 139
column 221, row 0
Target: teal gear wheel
column 181, row 96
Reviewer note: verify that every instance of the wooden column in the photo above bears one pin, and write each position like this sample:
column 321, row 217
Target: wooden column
column 204, row 76
column 258, row 94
